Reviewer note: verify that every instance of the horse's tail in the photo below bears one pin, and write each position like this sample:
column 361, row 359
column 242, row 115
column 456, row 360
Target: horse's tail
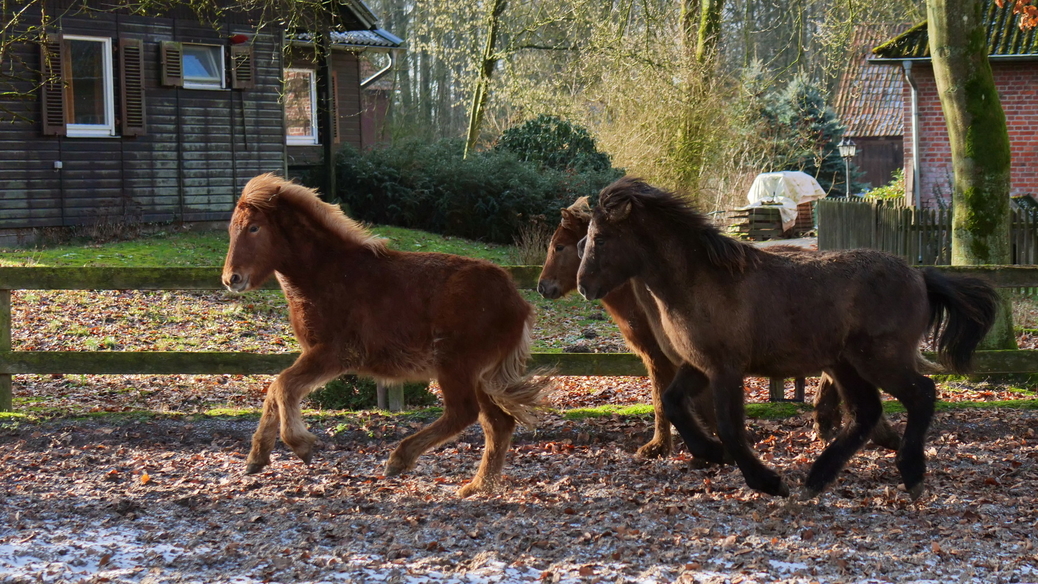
column 514, row 389
column 962, row 310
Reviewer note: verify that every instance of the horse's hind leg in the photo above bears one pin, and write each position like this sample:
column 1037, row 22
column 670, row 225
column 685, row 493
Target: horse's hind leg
column 918, row 394
column 687, row 386
column 498, row 428
column 460, row 410
column 731, row 427
column 310, row 370
column 862, row 401
column 828, row 413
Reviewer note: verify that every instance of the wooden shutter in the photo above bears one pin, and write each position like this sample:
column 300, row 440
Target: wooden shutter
column 243, row 67
column 335, row 108
column 172, row 56
column 53, row 61
column 131, row 71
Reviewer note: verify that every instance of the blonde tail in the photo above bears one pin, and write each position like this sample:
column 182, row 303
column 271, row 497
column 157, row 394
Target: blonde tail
column 516, row 391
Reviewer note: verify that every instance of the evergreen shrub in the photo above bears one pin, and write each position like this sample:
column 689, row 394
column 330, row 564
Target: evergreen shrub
column 350, row 392
column 488, row 196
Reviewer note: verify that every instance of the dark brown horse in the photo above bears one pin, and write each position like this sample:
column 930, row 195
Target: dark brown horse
column 730, row 309
column 635, row 314
column 637, row 321
column 357, row 306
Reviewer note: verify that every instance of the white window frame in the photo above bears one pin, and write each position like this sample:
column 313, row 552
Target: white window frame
column 96, row 130
column 305, row 140
column 220, row 64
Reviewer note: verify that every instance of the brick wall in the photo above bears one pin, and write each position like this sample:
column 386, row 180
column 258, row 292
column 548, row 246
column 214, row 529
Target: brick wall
column 1017, row 84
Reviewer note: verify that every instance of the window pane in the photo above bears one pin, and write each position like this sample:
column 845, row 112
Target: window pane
column 88, row 82
column 299, row 114
column 202, row 64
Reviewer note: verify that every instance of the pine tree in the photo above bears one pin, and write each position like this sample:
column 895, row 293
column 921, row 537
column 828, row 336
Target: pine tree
column 805, row 133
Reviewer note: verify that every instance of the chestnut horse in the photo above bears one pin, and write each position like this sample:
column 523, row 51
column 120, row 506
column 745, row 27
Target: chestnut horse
column 357, row 306
column 730, row 309
column 634, row 312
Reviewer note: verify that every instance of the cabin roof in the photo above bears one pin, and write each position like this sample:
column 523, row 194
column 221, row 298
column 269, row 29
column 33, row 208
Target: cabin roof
column 1005, row 39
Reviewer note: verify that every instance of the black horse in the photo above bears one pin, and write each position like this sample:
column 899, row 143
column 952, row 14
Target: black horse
column 731, row 309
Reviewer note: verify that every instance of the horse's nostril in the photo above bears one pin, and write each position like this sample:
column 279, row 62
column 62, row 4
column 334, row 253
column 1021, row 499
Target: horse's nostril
column 235, row 278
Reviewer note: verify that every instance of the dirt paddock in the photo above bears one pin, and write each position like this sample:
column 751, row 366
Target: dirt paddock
column 166, row 501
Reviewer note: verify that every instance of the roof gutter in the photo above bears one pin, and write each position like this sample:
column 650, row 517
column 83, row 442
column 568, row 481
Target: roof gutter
column 907, row 65
column 381, row 72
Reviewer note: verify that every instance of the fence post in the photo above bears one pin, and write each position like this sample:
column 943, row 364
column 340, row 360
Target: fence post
column 6, row 397
column 390, row 396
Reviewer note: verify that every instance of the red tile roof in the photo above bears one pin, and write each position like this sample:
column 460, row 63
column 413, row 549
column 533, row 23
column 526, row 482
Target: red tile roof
column 869, row 96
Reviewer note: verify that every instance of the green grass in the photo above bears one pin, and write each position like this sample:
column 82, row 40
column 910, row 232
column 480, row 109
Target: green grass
column 208, row 248
column 162, row 249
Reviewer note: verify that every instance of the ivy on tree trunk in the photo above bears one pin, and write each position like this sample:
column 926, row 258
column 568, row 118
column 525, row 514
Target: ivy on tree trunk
column 979, row 142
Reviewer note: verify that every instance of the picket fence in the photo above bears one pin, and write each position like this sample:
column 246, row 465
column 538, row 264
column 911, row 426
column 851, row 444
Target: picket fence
column 921, row 236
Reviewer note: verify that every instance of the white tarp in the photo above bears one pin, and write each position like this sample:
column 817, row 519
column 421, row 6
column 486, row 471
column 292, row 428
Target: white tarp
column 786, row 190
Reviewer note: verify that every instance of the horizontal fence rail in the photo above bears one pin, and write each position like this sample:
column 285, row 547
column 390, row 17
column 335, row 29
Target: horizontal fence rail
column 225, row 363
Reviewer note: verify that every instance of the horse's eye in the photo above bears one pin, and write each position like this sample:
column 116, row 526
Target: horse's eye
column 253, row 228
column 559, row 248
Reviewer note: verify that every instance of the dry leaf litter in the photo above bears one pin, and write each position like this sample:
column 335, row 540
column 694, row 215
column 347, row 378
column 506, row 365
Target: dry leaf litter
column 163, row 498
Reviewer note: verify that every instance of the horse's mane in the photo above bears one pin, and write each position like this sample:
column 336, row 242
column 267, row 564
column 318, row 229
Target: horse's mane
column 670, row 208
column 267, row 192
column 577, row 216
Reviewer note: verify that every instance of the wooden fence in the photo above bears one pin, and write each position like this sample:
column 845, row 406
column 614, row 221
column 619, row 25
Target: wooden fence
column 209, row 362
column 921, row 236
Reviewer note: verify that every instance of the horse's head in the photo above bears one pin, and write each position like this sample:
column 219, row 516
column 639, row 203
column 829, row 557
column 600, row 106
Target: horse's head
column 609, row 254
column 559, row 275
column 255, row 240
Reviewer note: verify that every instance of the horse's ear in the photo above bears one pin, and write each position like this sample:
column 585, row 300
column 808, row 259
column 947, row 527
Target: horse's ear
column 620, row 212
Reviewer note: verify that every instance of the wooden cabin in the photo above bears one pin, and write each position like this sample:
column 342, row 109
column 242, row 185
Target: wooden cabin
column 110, row 116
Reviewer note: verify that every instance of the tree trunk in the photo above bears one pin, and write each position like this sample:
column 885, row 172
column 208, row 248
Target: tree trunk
column 689, row 21
column 709, row 29
column 979, row 143
column 486, row 71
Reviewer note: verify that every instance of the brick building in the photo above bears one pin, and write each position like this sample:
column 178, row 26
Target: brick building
column 1013, row 55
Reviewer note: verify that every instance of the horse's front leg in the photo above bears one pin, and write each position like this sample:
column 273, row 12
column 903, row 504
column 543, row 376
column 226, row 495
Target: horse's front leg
column 731, row 427
column 313, row 368
column 685, row 390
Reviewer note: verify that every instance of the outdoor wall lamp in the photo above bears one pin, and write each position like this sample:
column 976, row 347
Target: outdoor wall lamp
column 847, row 149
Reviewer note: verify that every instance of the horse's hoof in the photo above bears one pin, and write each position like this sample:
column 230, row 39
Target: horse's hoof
column 254, row 467
column 654, row 450
column 307, row 457
column 394, row 467
column 772, row 485
column 470, row 489
column 700, row 463
column 916, row 491
column 807, row 494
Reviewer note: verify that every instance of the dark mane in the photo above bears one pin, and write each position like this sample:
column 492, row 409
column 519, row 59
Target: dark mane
column 668, row 207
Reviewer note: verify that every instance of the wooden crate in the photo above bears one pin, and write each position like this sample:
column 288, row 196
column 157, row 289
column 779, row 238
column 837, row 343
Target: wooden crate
column 757, row 223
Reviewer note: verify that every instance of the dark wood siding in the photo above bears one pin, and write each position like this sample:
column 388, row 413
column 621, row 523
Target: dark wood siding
column 346, row 68
column 879, row 157
column 200, row 148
